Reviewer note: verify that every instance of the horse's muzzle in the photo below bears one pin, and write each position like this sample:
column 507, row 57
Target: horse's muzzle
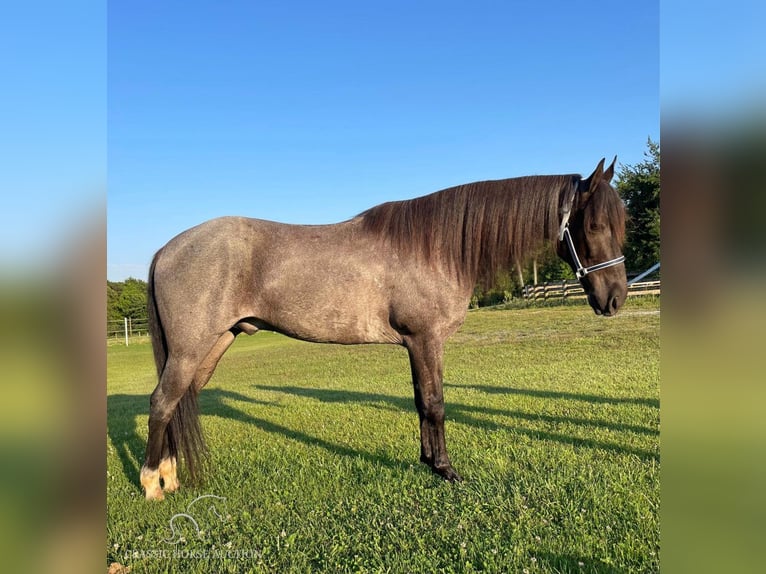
column 609, row 305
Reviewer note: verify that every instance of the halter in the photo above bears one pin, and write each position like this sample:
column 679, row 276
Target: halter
column 564, row 233
column 581, row 271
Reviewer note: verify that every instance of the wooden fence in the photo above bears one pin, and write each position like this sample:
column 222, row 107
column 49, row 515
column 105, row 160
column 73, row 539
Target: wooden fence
column 571, row 289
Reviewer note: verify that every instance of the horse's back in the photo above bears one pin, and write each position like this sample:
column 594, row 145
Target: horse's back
column 322, row 283
column 327, row 283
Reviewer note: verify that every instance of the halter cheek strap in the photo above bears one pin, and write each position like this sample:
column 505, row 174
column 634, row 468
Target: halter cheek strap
column 565, row 234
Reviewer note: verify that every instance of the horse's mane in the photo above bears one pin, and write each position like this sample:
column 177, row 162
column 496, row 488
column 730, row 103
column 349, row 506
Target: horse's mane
column 476, row 229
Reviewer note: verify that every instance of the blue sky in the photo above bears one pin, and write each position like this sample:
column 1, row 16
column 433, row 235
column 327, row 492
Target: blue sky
column 310, row 112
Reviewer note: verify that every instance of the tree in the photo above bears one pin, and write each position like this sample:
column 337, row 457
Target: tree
column 550, row 267
column 131, row 301
column 639, row 187
column 113, row 291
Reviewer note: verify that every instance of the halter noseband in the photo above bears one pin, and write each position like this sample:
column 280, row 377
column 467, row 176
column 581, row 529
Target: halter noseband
column 564, row 233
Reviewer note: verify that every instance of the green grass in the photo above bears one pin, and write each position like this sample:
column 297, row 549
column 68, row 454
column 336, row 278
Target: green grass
column 552, row 419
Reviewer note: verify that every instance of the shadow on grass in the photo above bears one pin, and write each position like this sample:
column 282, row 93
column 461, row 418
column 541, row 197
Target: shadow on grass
column 129, row 444
column 465, row 414
column 565, row 563
column 122, row 426
column 654, row 403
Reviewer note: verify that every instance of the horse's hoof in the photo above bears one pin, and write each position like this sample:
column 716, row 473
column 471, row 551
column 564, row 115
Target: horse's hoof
column 170, row 485
column 155, row 494
column 150, row 480
column 448, row 473
column 168, row 474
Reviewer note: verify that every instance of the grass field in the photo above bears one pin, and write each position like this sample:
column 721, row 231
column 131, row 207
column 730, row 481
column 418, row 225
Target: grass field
column 552, row 419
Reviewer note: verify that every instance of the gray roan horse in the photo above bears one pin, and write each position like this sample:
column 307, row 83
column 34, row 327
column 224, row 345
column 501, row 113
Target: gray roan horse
column 402, row 272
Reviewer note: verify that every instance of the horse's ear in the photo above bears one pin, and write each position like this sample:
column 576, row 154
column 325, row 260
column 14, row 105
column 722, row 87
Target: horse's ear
column 589, row 184
column 598, row 173
column 609, row 172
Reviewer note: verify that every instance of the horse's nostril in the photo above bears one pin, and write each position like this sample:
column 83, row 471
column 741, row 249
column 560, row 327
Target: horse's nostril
column 614, row 304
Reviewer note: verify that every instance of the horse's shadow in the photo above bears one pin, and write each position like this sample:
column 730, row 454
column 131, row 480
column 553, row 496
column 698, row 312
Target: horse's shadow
column 475, row 416
column 124, row 410
column 545, row 394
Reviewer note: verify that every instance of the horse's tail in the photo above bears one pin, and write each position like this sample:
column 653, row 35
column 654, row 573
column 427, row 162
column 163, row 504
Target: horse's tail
column 159, row 344
column 183, row 433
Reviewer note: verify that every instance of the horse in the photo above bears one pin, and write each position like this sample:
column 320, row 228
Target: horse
column 401, row 273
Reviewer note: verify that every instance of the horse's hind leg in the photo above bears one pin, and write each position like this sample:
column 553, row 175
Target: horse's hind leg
column 210, row 362
column 177, row 377
column 168, row 462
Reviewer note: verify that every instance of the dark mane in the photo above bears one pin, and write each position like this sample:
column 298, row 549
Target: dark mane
column 477, row 229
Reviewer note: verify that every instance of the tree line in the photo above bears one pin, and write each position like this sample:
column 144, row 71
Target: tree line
column 125, row 299
column 638, row 186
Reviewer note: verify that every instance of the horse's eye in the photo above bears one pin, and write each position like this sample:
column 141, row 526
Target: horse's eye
column 597, row 227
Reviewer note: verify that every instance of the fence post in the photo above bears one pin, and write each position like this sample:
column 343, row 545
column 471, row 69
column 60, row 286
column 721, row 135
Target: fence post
column 126, row 331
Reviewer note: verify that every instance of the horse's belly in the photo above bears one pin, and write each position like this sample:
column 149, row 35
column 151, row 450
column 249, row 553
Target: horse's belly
column 331, row 307
column 328, row 327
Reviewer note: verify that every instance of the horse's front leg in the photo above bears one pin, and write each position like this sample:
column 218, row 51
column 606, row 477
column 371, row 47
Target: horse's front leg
column 426, row 364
